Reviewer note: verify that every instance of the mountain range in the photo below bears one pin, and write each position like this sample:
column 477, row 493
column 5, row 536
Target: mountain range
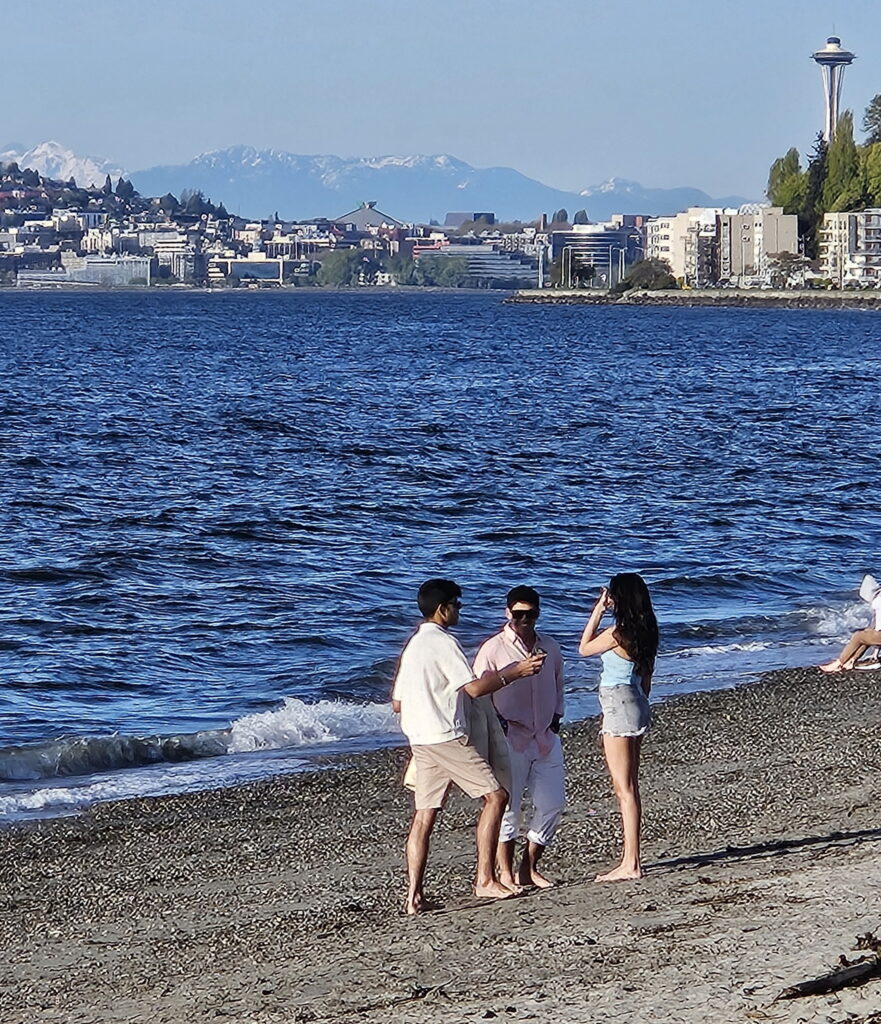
column 261, row 182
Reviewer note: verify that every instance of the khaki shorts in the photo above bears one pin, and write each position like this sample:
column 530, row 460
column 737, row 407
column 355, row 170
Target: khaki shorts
column 439, row 764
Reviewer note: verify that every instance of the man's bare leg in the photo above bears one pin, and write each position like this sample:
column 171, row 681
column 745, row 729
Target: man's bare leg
column 622, row 758
column 529, row 873
column 487, row 885
column 505, row 861
column 417, row 857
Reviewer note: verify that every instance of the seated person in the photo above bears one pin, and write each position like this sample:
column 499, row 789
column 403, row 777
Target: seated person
column 863, row 639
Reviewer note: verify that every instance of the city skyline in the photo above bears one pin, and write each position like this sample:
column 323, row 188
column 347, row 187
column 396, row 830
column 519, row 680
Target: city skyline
column 566, row 94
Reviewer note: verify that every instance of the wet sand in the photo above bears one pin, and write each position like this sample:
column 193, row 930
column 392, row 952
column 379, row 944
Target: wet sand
column 278, row 901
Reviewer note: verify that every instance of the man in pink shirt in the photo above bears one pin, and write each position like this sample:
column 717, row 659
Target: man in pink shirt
column 531, row 709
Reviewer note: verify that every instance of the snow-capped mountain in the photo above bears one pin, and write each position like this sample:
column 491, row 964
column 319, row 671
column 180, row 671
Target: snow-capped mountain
column 53, row 160
column 259, row 182
column 641, row 199
column 412, row 188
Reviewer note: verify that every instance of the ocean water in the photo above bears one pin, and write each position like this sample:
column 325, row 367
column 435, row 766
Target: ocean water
column 216, row 509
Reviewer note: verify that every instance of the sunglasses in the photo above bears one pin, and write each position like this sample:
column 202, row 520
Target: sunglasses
column 524, row 613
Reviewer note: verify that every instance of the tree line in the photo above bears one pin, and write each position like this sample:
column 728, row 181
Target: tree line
column 840, row 176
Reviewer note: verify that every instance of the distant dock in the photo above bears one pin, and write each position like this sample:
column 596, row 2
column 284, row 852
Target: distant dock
column 761, row 298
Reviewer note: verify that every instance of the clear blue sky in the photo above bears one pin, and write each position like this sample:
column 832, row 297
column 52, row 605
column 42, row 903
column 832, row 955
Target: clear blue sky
column 667, row 92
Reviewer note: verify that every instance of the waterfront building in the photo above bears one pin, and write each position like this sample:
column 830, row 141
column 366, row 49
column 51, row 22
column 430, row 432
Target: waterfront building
column 486, row 262
column 104, row 271
column 609, row 249
column 832, row 61
column 707, row 245
column 748, row 238
column 850, row 248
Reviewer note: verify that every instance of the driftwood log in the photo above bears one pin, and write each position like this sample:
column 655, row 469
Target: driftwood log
column 851, row 972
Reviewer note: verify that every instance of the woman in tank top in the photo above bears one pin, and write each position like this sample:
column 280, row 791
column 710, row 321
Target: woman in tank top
column 628, row 651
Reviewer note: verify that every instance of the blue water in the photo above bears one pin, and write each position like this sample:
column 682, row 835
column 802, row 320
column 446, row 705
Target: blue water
column 216, row 503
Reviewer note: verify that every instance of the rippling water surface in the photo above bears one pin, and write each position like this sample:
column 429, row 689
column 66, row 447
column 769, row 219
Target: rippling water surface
column 217, row 508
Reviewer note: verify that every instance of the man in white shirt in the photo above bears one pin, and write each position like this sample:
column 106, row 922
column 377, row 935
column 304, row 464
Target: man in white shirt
column 433, row 674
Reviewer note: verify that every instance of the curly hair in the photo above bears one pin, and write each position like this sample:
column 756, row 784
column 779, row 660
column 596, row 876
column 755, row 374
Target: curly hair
column 636, row 628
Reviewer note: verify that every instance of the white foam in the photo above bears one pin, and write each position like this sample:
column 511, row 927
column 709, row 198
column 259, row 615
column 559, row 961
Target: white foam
column 748, row 646
column 297, row 724
column 159, row 780
column 839, row 622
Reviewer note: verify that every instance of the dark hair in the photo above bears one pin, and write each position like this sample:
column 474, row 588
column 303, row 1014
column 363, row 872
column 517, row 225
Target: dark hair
column 526, row 595
column 636, row 628
column 433, row 593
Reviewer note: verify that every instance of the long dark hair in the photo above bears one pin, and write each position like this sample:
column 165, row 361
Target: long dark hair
column 636, row 628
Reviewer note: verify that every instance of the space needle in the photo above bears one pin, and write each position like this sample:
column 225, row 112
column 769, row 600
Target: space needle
column 832, row 60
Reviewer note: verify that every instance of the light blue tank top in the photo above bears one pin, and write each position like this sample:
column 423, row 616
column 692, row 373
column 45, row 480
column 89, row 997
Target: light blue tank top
column 617, row 671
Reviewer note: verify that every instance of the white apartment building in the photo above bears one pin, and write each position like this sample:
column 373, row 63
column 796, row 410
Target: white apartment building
column 850, row 248
column 705, row 245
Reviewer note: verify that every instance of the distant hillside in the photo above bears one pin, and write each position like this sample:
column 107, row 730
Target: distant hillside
column 256, row 183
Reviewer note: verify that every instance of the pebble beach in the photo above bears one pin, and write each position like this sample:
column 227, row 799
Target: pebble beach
column 280, row 901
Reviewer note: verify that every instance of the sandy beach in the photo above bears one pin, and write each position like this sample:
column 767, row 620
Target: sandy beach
column 279, row 901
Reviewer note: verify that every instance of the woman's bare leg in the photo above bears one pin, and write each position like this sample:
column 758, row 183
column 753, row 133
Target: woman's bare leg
column 854, row 649
column 622, row 759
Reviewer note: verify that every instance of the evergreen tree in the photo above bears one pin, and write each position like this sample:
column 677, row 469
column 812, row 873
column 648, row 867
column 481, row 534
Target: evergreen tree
column 581, row 217
column 788, row 183
column 842, row 189
column 812, row 214
column 560, row 217
column 870, row 167
column 108, row 186
column 872, row 121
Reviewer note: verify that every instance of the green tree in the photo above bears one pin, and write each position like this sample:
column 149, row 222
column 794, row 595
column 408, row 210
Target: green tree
column 872, row 121
column 402, row 269
column 787, row 183
column 30, row 178
column 108, row 186
column 168, row 204
column 443, row 271
column 581, row 217
column 125, row 190
column 870, row 169
column 786, row 268
column 653, row 275
column 341, row 268
column 842, row 189
column 812, row 214
column 560, row 216
column 583, row 275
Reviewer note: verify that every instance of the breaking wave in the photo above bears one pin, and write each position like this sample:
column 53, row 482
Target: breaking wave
column 295, row 724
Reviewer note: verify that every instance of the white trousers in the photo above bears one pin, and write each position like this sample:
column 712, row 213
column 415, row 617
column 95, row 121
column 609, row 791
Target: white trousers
column 541, row 776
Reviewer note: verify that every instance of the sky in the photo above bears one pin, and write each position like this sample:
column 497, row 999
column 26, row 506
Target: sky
column 669, row 93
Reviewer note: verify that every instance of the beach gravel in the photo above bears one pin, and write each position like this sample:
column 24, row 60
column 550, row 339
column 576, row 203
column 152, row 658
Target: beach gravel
column 279, row 901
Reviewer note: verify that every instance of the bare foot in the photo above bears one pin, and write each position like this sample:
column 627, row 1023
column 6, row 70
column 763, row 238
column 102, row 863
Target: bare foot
column 831, row 666
column 534, row 877
column 418, row 905
column 509, row 881
column 494, row 891
column 620, row 874
column 540, row 881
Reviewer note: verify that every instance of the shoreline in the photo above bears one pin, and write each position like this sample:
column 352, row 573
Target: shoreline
column 756, row 298
column 278, row 900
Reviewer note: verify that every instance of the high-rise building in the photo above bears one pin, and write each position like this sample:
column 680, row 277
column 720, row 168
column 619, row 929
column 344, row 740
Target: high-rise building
column 832, row 60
